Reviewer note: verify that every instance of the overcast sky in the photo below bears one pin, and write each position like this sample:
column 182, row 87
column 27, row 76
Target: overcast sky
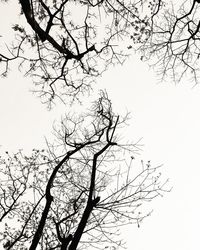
column 166, row 116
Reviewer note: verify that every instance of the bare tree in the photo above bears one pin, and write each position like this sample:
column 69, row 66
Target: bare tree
column 70, row 43
column 78, row 192
column 174, row 40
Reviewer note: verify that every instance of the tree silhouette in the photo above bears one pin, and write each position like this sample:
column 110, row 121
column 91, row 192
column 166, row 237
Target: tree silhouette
column 173, row 44
column 78, row 192
column 70, row 43
column 65, row 45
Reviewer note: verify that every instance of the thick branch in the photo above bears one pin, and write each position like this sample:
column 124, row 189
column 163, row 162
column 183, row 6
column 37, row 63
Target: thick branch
column 43, row 35
column 91, row 203
column 49, row 199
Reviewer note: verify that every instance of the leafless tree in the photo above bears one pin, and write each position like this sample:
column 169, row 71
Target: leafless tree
column 78, row 192
column 70, row 43
column 174, row 40
column 65, row 45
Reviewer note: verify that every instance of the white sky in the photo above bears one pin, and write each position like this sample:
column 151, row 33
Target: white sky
column 165, row 115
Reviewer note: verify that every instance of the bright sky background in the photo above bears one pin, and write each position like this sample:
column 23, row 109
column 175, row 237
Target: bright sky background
column 166, row 116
